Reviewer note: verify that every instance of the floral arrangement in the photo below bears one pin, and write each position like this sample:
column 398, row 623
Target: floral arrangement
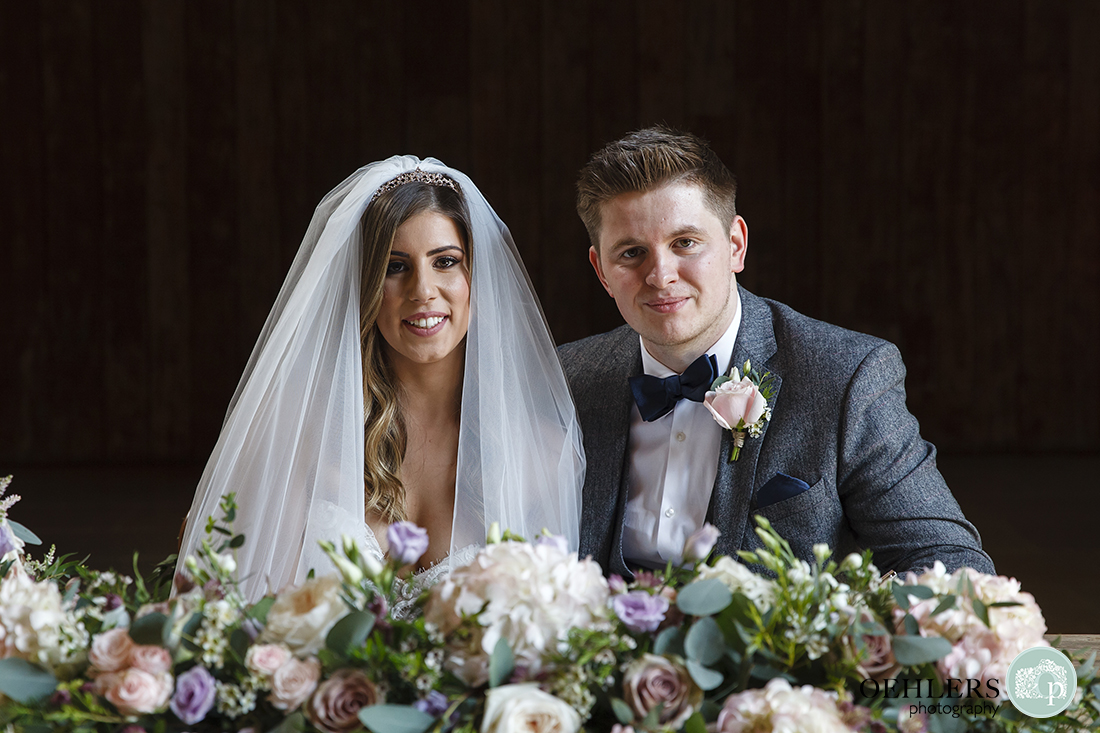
column 526, row 637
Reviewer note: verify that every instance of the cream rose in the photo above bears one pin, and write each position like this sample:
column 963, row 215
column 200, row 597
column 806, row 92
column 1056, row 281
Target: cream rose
column 527, row 709
column 302, row 617
column 651, row 680
column 265, row 659
column 734, row 402
column 335, row 705
column 294, row 682
column 136, row 692
column 110, row 650
column 152, row 659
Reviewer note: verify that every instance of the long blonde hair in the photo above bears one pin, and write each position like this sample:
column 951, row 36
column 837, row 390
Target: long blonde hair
column 385, row 435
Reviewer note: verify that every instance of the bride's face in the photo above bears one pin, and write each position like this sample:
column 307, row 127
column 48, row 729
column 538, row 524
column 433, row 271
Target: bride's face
column 426, row 294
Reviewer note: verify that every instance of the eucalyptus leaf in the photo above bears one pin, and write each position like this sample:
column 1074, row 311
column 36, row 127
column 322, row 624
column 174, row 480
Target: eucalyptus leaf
column 705, row 642
column 704, row 597
column 922, row 592
column 149, row 629
column 911, row 626
column 947, row 603
column 23, row 533
column 981, row 611
column 350, row 632
column 501, row 664
column 259, row 611
column 705, row 677
column 25, row 682
column 695, row 724
column 900, row 596
column 293, row 723
column 911, row 651
column 669, row 642
column 387, row 718
column 946, row 723
column 623, row 712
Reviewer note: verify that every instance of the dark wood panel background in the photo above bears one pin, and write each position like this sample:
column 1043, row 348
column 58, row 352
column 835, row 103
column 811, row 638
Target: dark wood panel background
column 927, row 172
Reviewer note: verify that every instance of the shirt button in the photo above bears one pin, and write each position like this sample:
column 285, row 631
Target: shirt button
column 680, row 437
column 670, row 512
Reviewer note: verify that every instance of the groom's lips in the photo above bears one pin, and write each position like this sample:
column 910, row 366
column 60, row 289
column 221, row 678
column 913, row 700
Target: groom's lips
column 417, row 330
column 667, row 305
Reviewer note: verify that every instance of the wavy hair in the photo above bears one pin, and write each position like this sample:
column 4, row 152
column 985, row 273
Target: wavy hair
column 385, row 434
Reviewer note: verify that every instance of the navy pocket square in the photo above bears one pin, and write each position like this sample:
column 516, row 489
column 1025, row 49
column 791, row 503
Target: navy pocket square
column 778, row 488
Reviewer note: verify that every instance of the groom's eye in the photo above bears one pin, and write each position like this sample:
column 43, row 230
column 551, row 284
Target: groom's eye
column 629, row 254
column 685, row 243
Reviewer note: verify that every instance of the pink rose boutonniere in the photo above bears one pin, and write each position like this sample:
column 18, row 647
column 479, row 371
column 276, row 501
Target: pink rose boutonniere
column 740, row 403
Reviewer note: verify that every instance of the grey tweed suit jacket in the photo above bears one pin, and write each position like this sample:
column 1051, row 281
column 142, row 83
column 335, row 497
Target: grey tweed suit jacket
column 839, row 423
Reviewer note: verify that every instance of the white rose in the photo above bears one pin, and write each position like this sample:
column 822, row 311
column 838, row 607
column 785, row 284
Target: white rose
column 527, row 709
column 294, row 682
column 110, row 650
column 301, row 618
column 265, row 659
column 136, row 692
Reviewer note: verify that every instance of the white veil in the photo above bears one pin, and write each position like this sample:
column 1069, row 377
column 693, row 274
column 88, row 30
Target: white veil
column 291, row 446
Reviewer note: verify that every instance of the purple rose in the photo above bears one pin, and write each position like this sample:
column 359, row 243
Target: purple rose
column 407, row 542
column 700, row 543
column 7, row 540
column 435, row 703
column 640, row 611
column 194, row 696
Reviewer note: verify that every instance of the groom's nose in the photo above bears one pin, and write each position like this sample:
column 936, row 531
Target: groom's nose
column 661, row 269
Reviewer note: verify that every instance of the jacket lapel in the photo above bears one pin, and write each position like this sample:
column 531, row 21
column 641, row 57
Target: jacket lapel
column 604, row 502
column 731, row 497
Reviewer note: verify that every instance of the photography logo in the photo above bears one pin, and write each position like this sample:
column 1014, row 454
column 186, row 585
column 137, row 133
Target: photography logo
column 1041, row 682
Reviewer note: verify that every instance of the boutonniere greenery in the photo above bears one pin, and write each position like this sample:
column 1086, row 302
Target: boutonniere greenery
column 741, row 403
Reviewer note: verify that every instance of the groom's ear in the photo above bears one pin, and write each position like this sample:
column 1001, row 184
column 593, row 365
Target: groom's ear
column 739, row 243
column 594, row 258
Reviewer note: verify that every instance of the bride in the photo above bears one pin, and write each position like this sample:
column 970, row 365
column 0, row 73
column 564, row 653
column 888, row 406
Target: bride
column 405, row 372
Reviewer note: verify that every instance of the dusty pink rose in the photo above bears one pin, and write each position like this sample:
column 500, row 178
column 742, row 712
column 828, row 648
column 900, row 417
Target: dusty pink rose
column 734, row 402
column 335, row 705
column 650, row 680
column 152, row 659
column 265, row 659
column 294, row 682
column 875, row 656
column 137, row 692
column 110, row 650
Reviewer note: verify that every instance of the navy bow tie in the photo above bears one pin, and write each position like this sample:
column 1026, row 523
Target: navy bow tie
column 656, row 397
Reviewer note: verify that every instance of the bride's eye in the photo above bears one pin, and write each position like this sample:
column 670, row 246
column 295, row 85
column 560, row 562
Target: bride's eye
column 446, row 262
column 395, row 267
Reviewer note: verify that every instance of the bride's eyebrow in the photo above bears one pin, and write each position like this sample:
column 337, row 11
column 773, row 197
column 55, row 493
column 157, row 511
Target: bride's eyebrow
column 437, row 250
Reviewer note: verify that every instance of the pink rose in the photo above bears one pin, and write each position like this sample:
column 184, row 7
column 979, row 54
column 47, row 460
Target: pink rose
column 294, row 682
column 650, row 680
column 110, row 650
column 265, row 659
column 152, row 659
column 700, row 543
column 736, row 402
column 336, row 704
column 137, row 692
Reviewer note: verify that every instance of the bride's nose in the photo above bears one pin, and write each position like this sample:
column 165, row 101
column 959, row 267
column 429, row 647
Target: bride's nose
column 423, row 285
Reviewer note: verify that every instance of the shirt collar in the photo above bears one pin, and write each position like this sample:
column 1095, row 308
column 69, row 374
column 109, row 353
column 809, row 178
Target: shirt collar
column 722, row 348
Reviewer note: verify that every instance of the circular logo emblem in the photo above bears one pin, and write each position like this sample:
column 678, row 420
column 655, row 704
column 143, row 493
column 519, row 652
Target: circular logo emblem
column 1041, row 682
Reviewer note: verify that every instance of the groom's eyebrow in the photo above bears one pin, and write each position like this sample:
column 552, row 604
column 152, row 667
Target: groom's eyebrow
column 437, row 250
column 687, row 229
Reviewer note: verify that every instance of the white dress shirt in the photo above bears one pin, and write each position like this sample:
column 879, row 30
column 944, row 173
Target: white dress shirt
column 673, row 464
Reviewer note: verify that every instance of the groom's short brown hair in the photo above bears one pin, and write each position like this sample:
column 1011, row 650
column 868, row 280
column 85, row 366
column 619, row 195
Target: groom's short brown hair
column 647, row 159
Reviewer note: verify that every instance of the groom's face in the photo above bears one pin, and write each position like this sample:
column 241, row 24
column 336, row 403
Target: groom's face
column 670, row 262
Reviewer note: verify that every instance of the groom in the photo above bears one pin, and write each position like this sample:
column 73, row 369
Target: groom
column 840, row 460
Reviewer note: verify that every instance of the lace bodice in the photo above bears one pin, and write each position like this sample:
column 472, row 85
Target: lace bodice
column 337, row 523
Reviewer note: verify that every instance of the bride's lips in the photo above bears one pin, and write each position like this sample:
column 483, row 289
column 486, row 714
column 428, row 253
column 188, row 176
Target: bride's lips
column 667, row 305
column 432, row 321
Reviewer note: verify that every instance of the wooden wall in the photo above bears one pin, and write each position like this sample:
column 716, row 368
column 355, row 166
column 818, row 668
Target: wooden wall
column 927, row 172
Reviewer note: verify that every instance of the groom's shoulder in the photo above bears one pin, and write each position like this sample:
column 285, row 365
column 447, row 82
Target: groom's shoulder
column 593, row 354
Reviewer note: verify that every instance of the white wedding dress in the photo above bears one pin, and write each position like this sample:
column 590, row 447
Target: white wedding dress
column 291, row 447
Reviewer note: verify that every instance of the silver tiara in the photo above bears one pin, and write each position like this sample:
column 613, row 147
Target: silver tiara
column 419, row 176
